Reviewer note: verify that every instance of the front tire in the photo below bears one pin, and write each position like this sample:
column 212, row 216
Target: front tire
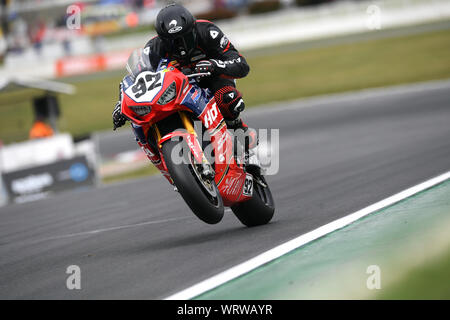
column 203, row 198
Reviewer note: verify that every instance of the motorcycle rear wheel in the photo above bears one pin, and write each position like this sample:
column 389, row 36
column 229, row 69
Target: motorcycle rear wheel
column 259, row 209
column 202, row 196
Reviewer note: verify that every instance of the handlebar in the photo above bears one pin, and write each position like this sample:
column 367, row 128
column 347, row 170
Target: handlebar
column 193, row 75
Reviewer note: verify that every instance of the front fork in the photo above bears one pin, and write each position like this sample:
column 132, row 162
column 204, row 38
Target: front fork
column 206, row 170
column 154, row 156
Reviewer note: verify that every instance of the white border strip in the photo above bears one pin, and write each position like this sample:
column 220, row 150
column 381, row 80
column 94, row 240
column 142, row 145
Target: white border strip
column 293, row 244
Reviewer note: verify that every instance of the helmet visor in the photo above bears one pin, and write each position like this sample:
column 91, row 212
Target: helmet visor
column 184, row 44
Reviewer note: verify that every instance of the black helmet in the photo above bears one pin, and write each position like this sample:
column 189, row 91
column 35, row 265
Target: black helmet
column 175, row 26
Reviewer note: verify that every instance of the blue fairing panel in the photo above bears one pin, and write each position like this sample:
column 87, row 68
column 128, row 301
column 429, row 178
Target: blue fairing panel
column 139, row 133
column 126, row 82
column 197, row 99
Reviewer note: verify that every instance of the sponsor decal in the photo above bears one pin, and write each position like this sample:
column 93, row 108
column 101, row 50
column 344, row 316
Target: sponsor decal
column 32, row 183
column 78, row 172
column 195, row 96
column 214, row 33
column 41, row 181
column 232, row 61
column 185, row 89
column 210, row 116
column 150, row 155
column 147, row 151
column 222, row 140
column 174, row 28
column 127, row 82
column 192, row 146
column 248, row 186
column 229, row 188
column 91, row 63
column 232, row 186
column 223, row 42
column 219, row 63
column 223, row 64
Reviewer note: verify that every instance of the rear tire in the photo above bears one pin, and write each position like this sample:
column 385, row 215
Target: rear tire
column 206, row 203
column 259, row 209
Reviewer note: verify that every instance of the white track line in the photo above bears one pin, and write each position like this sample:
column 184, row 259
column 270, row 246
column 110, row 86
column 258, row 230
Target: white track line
column 91, row 232
column 286, row 247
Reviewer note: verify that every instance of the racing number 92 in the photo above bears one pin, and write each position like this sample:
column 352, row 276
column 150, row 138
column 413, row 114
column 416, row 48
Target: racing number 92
column 248, row 186
column 140, row 88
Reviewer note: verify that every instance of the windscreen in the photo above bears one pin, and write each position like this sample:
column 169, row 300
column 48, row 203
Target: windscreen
column 138, row 62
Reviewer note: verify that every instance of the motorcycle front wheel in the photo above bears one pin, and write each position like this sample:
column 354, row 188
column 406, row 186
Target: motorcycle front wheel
column 202, row 196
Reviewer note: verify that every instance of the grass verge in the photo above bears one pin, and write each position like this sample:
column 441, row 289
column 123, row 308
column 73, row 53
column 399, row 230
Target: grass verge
column 430, row 281
column 277, row 77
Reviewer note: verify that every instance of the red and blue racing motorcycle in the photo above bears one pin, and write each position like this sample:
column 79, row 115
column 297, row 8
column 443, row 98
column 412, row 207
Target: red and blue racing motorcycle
column 180, row 128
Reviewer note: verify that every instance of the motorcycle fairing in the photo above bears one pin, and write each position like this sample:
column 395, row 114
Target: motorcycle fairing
column 229, row 176
column 196, row 99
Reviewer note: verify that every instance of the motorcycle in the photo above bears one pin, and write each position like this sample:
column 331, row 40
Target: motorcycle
column 166, row 109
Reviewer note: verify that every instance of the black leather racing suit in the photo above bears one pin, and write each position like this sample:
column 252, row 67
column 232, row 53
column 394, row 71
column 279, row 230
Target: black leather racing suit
column 229, row 64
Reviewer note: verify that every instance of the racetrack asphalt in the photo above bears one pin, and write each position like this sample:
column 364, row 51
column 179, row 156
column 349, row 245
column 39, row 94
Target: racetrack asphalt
column 138, row 240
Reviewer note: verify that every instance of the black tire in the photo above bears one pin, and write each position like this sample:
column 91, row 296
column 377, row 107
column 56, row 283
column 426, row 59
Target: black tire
column 259, row 209
column 206, row 207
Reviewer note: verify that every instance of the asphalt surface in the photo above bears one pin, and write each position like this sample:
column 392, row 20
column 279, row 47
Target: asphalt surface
column 138, row 240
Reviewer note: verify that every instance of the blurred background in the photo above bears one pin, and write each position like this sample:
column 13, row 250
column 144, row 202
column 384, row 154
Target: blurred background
column 61, row 63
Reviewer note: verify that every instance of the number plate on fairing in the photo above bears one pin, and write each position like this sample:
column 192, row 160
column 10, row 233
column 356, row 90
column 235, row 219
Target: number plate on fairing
column 247, row 190
column 146, row 86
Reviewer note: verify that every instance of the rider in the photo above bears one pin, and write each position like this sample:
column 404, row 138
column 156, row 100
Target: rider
column 200, row 46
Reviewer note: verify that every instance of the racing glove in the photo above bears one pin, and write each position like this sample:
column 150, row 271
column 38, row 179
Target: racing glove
column 204, row 66
column 117, row 116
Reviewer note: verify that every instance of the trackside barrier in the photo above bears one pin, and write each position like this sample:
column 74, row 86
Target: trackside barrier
column 92, row 63
column 42, row 181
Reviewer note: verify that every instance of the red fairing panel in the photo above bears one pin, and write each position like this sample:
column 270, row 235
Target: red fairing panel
column 230, row 177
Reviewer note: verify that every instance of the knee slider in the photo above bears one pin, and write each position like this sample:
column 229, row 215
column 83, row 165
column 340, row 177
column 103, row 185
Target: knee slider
column 230, row 101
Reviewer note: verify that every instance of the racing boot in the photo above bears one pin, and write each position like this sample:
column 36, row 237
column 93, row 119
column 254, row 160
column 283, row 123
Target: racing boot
column 251, row 136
